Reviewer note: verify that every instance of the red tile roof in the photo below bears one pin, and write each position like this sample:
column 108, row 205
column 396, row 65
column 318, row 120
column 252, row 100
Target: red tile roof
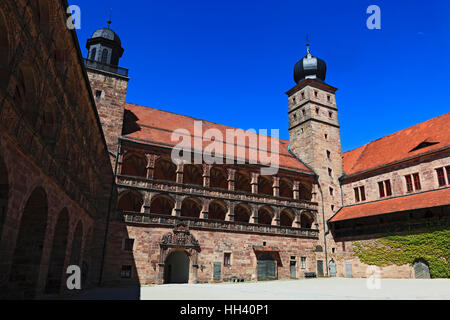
column 156, row 127
column 398, row 146
column 422, row 200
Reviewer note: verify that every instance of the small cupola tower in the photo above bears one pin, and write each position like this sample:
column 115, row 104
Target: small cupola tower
column 105, row 46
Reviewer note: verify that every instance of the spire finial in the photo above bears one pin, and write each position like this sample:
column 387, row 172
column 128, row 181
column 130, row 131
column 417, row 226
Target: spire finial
column 308, row 53
column 109, row 21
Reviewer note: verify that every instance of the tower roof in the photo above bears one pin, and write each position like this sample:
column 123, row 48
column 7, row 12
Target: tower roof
column 106, row 33
column 310, row 67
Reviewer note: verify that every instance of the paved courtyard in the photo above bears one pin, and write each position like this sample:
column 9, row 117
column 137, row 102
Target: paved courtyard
column 313, row 289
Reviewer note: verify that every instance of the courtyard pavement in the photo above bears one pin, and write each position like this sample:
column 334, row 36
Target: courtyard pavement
column 311, row 289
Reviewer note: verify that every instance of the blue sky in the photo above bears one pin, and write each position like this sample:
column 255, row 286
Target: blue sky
column 231, row 62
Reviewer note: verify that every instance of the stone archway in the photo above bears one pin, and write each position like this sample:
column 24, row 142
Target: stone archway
column 26, row 263
column 176, row 247
column 176, row 267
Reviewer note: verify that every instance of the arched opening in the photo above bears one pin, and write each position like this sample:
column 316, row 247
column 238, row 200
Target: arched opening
column 4, row 52
column 176, row 268
column 265, row 216
column 286, row 218
column 27, row 256
column 305, row 192
column 130, row 201
column 242, row 181
column 93, row 54
column 265, row 185
column 134, row 165
column 165, row 169
column 421, row 269
column 192, row 174
column 242, row 213
column 4, row 193
column 77, row 243
column 162, row 204
column 286, row 187
column 105, row 56
column 58, row 254
column 191, row 207
column 306, row 220
column 218, row 178
column 217, row 210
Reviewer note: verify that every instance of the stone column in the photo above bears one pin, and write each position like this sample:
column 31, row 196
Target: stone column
column 231, row 173
column 180, row 170
column 206, row 175
column 276, row 186
column 296, row 190
column 151, row 159
column 177, row 208
column 276, row 217
column 297, row 222
column 254, row 214
column 147, row 201
column 230, row 213
column 254, row 182
column 205, row 209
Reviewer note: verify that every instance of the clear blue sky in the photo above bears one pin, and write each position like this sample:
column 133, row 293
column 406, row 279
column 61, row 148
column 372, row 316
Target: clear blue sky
column 231, row 62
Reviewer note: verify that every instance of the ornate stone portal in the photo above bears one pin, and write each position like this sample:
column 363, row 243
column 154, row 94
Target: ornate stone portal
column 180, row 239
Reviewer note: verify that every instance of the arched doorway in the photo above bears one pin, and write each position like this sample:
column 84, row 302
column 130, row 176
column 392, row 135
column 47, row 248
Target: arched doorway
column 58, row 254
column 27, row 256
column 266, row 267
column 176, row 268
column 421, row 269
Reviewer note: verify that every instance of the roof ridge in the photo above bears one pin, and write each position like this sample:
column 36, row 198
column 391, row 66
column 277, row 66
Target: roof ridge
column 194, row 118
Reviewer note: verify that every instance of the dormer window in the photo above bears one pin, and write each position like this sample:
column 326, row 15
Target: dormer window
column 424, row 144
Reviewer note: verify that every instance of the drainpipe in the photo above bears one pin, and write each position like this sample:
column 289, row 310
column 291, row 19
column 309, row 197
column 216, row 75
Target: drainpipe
column 109, row 214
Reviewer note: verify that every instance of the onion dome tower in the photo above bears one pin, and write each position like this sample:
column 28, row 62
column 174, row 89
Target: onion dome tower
column 105, row 46
column 310, row 67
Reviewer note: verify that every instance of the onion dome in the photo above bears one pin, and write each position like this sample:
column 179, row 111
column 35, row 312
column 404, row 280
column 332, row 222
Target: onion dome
column 310, row 68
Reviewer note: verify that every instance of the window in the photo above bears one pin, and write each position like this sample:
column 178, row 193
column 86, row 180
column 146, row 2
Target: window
column 332, row 208
column 331, row 191
column 357, row 195
column 387, row 184
column 317, row 110
column 381, row 189
column 329, row 98
column 128, row 244
column 330, row 114
column 409, row 185
column 330, row 172
column 105, row 56
column 441, row 177
column 448, row 173
column 326, row 136
column 98, row 94
column 328, row 154
column 125, row 272
column 295, row 117
column 303, row 262
column 303, row 95
column 293, row 100
column 417, row 185
column 362, row 190
column 93, row 53
column 227, row 259
column 316, row 94
column 303, row 111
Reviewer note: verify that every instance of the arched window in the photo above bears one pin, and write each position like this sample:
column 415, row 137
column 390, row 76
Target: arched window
column 218, row 178
column 192, row 174
column 306, row 220
column 265, row 185
column 165, row 170
column 134, row 165
column 105, row 56
column 265, row 216
column 217, row 210
column 286, row 218
column 130, row 201
column 93, row 54
column 162, row 204
column 286, row 188
column 242, row 213
column 191, row 207
column 242, row 181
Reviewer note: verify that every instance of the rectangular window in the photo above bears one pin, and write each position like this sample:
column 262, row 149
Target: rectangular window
column 128, row 244
column 381, row 189
column 331, row 191
column 441, row 177
column 387, row 184
column 303, row 262
column 409, row 185
column 125, row 272
column 227, row 259
column 448, row 173
column 417, row 185
column 356, row 195
column 363, row 193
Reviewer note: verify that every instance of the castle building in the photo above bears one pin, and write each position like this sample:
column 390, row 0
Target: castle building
column 88, row 179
